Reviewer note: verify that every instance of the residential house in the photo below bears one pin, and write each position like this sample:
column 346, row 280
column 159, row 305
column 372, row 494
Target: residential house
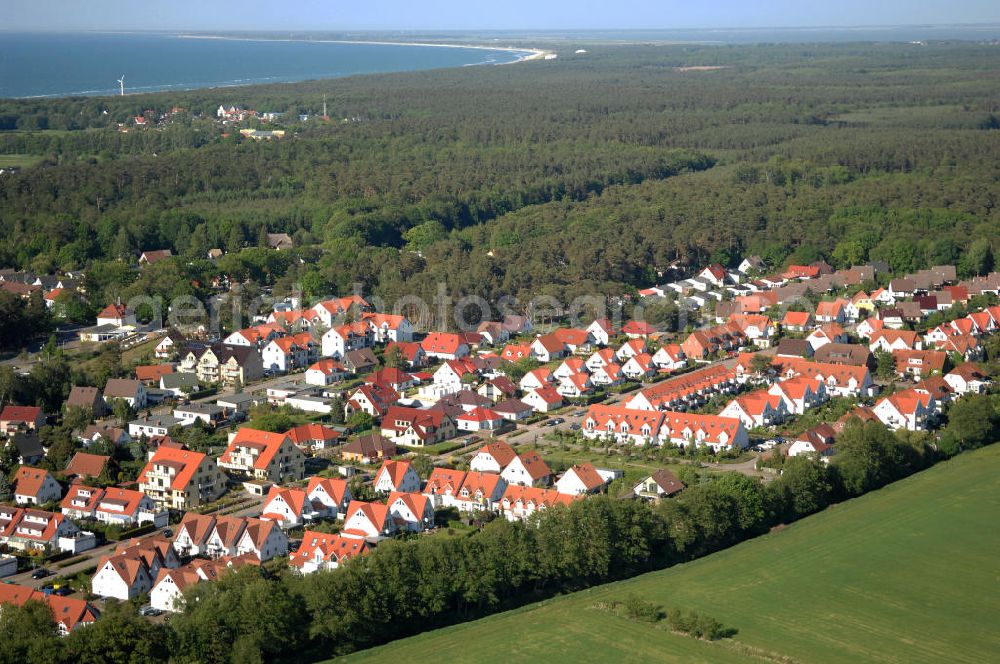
column 323, row 551
column 548, row 347
column 919, row 363
column 412, row 512
column 513, row 410
column 396, row 476
column 369, row 449
column 910, row 409
column 368, row 521
column 340, row 340
column 122, row 576
column 492, row 457
column 263, row 455
column 181, row 479
column 892, row 340
column 313, row 436
column 31, row 530
column 800, row 393
column 443, row 485
column 411, row 353
column 376, row 400
column 480, row 492
column 527, row 469
column 669, row 357
column 417, row 427
column 83, row 466
column 444, row 346
column 69, row 613
column 154, row 425
column 543, row 399
column 661, row 484
column 520, row 502
column 90, row 398
column 816, row 442
column 601, row 331
column 360, row 360
column 35, row 486
column 479, row 419
column 21, row 418
column 389, row 327
column 117, row 315
column 757, row 409
column 581, row 479
column 967, row 378
column 325, row 372
column 180, row 384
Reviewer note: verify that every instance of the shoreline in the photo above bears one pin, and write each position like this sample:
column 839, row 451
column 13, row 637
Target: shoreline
column 523, row 54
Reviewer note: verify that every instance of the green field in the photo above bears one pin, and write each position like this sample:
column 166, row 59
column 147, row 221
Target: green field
column 905, row 574
column 19, row 160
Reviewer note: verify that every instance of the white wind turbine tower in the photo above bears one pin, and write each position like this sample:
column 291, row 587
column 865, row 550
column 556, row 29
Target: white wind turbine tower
column 121, row 82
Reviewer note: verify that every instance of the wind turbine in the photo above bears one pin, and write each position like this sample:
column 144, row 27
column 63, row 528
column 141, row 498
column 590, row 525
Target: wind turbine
column 121, row 82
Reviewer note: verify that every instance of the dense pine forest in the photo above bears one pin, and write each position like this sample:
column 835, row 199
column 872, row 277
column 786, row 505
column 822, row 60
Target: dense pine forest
column 582, row 174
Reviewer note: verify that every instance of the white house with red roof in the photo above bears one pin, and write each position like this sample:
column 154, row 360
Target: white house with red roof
column 264, row 455
column 492, row 457
column 396, row 476
column 284, row 354
column 411, row 352
column 639, row 367
column 333, row 494
column 910, row 409
column 868, row 327
column 816, row 442
column 527, row 469
column 479, row 419
column 669, row 357
column 548, row 347
column 389, row 327
column 800, row 393
column 757, row 409
column 797, row 321
column 543, row 399
column 623, row 425
column 443, row 485
column 368, row 521
column 376, row 400
column 601, row 358
column 325, row 372
column 69, row 613
column 569, row 367
column 448, row 379
column 714, row 274
column 323, row 551
column 535, row 379
column 831, row 333
column 712, row 431
column 967, row 378
column 581, row 479
column 520, row 502
column 27, row 529
column 181, row 479
column 116, row 314
column 638, row 329
column 35, row 486
column 287, row 507
column 417, row 427
column 601, row 331
column 412, row 512
column 480, row 491
column 122, row 576
column 444, row 346
column 114, row 505
column 338, row 341
column 631, row 348
column 578, row 385
column 890, row 340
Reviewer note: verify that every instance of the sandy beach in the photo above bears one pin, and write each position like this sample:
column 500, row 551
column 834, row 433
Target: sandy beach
column 523, row 54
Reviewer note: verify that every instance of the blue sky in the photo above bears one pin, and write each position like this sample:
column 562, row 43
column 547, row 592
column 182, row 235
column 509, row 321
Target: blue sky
column 483, row 14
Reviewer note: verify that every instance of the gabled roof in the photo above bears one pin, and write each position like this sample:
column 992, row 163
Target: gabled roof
column 500, row 451
column 295, row 499
column 534, row 465
column 480, row 483
column 153, row 371
column 444, row 343
column 67, row 611
column 29, row 481
column 443, row 480
column 87, row 465
column 396, row 470
column 587, row 475
column 667, row 481
column 548, row 394
column 20, row 413
column 121, row 388
column 327, row 547
column 267, row 442
column 479, row 414
column 186, row 461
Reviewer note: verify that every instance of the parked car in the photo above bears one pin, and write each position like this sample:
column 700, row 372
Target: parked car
column 579, row 413
column 167, row 532
column 63, row 591
column 40, row 573
column 574, row 427
column 557, row 421
column 149, row 610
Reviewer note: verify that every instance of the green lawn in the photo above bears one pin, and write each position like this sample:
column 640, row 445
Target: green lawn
column 19, row 160
column 906, row 574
